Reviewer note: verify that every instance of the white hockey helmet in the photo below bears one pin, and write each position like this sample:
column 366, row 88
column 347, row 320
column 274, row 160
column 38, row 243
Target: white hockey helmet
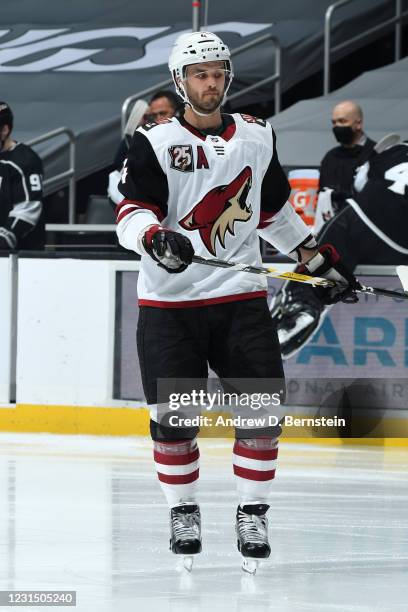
column 195, row 48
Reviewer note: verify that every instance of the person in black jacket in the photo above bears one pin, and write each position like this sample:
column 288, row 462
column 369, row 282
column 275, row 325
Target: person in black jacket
column 370, row 229
column 338, row 165
column 21, row 210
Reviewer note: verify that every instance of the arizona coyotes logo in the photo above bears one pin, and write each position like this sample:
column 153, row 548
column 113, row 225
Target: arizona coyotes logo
column 217, row 212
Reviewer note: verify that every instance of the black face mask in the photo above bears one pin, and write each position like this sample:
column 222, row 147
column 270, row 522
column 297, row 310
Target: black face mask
column 344, row 134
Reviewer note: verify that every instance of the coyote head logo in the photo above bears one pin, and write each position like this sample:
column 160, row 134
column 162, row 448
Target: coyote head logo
column 217, row 212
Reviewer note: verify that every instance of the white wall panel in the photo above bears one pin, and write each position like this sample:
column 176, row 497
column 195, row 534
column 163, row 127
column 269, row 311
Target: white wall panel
column 65, row 331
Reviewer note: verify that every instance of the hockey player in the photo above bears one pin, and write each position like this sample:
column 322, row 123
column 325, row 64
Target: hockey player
column 21, row 210
column 211, row 184
column 370, row 229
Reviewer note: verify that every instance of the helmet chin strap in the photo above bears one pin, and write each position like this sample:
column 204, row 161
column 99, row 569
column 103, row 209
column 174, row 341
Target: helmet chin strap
column 204, row 114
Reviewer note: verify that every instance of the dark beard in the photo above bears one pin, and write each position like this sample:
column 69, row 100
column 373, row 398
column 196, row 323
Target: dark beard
column 208, row 108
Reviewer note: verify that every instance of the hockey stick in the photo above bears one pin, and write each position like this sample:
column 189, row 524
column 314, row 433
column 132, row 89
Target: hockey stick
column 402, row 272
column 387, row 141
column 135, row 117
column 273, row 272
column 303, row 278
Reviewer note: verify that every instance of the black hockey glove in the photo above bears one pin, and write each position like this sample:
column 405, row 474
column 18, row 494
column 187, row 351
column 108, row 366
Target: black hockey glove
column 338, row 199
column 8, row 240
column 326, row 263
column 173, row 251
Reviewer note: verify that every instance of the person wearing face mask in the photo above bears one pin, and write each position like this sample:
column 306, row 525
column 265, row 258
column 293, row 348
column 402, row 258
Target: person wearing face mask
column 369, row 229
column 21, row 210
column 338, row 165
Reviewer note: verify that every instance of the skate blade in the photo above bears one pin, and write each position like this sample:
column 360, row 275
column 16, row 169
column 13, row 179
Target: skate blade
column 250, row 565
column 185, row 563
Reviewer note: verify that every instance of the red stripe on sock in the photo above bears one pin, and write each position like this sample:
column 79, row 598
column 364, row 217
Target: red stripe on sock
column 255, row 453
column 168, row 459
column 253, row 474
column 178, row 478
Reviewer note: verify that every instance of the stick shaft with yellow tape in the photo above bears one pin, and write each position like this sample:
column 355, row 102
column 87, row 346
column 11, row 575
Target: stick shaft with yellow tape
column 273, row 272
column 315, row 281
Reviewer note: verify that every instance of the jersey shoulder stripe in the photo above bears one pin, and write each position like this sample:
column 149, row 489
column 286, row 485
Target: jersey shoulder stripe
column 160, row 133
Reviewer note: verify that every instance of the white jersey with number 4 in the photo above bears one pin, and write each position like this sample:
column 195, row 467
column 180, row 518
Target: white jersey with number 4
column 220, row 190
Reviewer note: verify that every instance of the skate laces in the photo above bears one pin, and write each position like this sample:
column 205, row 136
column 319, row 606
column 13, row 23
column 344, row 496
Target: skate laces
column 252, row 527
column 186, row 525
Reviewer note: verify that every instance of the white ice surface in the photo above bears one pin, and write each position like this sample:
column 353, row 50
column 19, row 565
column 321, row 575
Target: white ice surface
column 86, row 514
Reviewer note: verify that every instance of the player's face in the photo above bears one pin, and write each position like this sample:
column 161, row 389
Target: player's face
column 205, row 84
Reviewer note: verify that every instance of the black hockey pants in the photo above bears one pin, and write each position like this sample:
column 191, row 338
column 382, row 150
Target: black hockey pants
column 238, row 340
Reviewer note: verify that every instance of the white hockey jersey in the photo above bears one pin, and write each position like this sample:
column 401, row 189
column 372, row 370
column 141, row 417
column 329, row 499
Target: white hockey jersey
column 221, row 191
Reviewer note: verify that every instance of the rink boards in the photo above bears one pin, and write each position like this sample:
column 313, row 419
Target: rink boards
column 69, row 365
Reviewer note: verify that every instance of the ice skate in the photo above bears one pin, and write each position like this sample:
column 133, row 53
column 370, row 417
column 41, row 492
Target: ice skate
column 185, row 533
column 252, row 535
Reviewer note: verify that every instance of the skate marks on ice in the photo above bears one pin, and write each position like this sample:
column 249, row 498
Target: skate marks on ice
column 87, row 514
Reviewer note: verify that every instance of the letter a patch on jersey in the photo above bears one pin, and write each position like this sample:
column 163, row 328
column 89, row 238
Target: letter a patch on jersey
column 182, row 158
column 202, row 161
column 219, row 209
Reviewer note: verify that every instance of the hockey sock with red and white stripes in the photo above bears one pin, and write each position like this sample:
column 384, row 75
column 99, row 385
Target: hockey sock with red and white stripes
column 254, row 462
column 177, row 465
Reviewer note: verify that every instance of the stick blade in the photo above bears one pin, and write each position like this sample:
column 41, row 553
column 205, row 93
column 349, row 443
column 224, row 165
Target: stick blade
column 402, row 272
column 135, row 117
column 389, row 140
